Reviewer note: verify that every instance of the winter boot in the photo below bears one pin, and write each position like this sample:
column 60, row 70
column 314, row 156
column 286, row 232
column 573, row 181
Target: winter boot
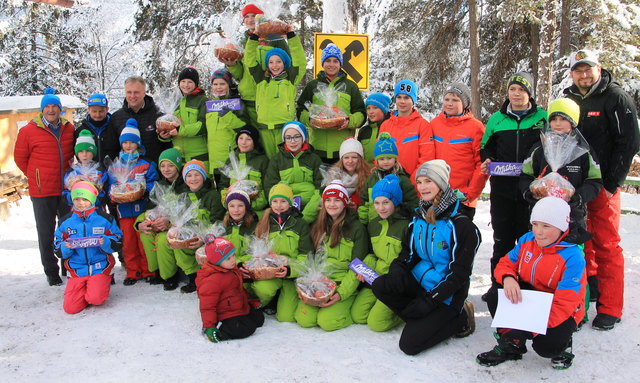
column 489, row 292
column 470, row 326
column 272, row 307
column 171, row 283
column 54, row 280
column 604, row 322
column 593, row 288
column 129, row 281
column 565, row 359
column 191, row 286
column 505, row 350
column 154, row 280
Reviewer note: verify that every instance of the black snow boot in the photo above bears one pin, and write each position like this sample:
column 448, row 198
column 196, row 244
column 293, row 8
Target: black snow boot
column 565, row 359
column 505, row 350
column 191, row 286
column 171, row 283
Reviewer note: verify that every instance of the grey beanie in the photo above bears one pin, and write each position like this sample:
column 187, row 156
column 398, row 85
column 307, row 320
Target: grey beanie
column 462, row 91
column 523, row 79
column 437, row 171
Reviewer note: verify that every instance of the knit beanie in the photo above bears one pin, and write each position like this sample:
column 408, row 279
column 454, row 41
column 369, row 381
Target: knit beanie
column 351, row 145
column 172, row 155
column 297, row 126
column 553, row 211
column 407, row 87
column 437, row 171
column 523, row 79
column 385, row 147
column 249, row 131
column 223, row 74
column 336, row 189
column 50, row 98
column 131, row 132
column 189, row 73
column 282, row 191
column 218, row 250
column 86, row 190
column 250, row 8
column 97, row 99
column 85, row 141
column 382, row 101
column 332, row 50
column 461, row 90
column 286, row 60
column 196, row 165
column 388, row 187
column 238, row 195
column 567, row 108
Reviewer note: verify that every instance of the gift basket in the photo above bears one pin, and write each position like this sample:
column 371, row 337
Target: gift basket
column 326, row 116
column 268, row 26
column 163, row 198
column 264, row 264
column 313, row 285
column 185, row 229
column 207, row 235
column 126, row 188
column 238, row 174
column 559, row 150
column 84, row 172
column 226, row 45
column 168, row 101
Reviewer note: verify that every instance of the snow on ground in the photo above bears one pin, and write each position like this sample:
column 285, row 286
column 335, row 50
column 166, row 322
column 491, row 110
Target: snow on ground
column 145, row 334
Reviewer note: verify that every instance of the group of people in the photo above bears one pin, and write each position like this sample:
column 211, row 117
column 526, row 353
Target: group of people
column 397, row 192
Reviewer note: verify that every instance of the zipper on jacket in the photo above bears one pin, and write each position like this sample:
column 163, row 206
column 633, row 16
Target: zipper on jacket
column 533, row 269
column 84, row 232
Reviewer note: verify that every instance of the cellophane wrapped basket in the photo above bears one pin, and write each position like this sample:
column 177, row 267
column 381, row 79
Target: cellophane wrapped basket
column 267, row 25
column 184, row 230
column 126, row 188
column 328, row 115
column 239, row 175
column 264, row 264
column 166, row 123
column 313, row 285
column 163, row 198
column 88, row 171
column 207, row 235
column 559, row 150
column 167, row 100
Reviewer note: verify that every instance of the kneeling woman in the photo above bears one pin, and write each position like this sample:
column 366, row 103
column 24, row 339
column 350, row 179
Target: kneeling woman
column 428, row 283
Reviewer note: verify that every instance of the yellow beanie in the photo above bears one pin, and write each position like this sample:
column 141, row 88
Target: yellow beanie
column 282, row 191
column 567, row 108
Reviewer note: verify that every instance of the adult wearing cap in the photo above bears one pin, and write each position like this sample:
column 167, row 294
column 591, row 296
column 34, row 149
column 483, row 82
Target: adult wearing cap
column 141, row 107
column 97, row 122
column 377, row 105
column 457, row 135
column 43, row 151
column 412, row 132
column 349, row 100
column 427, row 285
column 609, row 123
column 510, row 134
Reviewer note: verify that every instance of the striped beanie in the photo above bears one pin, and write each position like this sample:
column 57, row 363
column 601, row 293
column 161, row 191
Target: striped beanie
column 336, row 189
column 85, row 141
column 131, row 132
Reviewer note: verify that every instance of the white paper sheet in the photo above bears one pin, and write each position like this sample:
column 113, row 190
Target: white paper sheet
column 532, row 314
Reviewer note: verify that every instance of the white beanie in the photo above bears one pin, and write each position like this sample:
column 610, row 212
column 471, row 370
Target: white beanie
column 351, row 145
column 553, row 211
column 437, row 171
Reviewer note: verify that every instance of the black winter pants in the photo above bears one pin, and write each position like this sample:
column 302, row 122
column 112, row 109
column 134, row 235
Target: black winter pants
column 241, row 326
column 396, row 290
column 510, row 220
column 45, row 210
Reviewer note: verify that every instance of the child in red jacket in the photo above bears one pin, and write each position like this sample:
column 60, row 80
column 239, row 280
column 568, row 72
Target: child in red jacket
column 224, row 303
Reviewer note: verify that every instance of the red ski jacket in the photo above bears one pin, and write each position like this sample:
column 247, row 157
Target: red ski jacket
column 221, row 294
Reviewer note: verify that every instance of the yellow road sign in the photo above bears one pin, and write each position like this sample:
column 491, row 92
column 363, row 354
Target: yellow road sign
column 355, row 54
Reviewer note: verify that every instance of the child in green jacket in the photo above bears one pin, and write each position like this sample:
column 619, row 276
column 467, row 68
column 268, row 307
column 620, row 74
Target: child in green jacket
column 378, row 105
column 344, row 238
column 221, row 125
column 282, row 223
column 298, row 166
column 200, row 189
column 386, row 232
column 276, row 87
column 386, row 156
column 240, row 223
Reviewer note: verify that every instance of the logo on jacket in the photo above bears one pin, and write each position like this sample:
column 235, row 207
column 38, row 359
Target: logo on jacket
column 98, row 230
column 527, row 257
column 593, row 114
column 71, row 231
column 150, row 128
column 442, row 245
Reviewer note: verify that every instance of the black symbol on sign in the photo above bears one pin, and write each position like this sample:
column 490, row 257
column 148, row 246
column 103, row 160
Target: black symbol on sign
column 353, row 49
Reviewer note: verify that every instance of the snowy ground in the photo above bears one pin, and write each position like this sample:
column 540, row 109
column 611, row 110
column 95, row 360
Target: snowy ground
column 145, row 334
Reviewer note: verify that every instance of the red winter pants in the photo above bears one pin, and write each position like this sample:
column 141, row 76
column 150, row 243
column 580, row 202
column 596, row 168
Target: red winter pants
column 603, row 252
column 134, row 257
column 84, row 291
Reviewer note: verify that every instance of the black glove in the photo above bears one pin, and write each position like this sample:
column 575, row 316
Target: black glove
column 419, row 307
column 224, row 111
column 528, row 196
column 576, row 201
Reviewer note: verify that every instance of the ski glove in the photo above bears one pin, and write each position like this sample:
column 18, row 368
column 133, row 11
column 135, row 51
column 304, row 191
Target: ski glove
column 213, row 334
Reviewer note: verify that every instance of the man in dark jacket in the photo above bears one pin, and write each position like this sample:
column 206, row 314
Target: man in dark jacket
column 139, row 106
column 609, row 122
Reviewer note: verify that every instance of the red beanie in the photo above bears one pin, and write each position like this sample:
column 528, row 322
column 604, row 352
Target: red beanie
column 250, row 8
column 336, row 189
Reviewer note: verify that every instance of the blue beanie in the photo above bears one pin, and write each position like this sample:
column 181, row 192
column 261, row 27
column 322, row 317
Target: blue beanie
column 388, row 187
column 407, row 87
column 385, row 147
column 280, row 53
column 50, row 98
column 97, row 99
column 131, row 132
column 379, row 100
column 297, row 126
column 332, row 50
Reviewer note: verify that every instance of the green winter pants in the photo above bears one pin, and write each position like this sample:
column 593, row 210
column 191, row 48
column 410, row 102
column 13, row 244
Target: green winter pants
column 266, row 289
column 159, row 254
column 270, row 138
column 331, row 318
column 185, row 259
column 367, row 309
